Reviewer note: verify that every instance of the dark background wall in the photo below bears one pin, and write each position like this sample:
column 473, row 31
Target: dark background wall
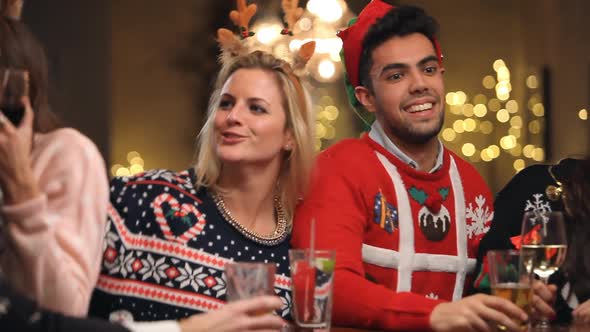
column 77, row 39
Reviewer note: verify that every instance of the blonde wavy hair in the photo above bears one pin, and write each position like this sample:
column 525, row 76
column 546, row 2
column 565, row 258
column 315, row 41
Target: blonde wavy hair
column 293, row 180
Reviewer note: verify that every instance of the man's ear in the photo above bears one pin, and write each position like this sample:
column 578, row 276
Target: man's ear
column 365, row 97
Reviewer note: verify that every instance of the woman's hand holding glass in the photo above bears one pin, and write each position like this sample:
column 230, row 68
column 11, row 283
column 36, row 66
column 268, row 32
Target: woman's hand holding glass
column 242, row 315
column 16, row 175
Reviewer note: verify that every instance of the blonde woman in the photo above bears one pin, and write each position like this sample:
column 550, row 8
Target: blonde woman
column 170, row 234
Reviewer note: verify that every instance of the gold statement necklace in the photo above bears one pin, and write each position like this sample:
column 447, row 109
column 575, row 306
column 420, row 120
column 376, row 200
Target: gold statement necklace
column 276, row 237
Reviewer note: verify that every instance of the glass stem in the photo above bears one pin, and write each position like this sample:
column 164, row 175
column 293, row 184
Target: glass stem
column 543, row 321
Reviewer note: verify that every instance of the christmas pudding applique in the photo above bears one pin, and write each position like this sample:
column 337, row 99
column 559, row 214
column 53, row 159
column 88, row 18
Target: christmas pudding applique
column 433, row 218
column 385, row 214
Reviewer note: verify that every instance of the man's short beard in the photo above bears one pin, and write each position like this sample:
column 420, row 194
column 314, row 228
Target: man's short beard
column 410, row 136
column 417, row 138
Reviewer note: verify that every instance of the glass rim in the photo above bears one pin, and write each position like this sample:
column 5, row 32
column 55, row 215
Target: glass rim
column 504, row 251
column 322, row 251
column 543, row 212
column 251, row 264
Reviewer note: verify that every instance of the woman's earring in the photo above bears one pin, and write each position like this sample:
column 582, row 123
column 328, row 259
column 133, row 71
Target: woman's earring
column 288, row 147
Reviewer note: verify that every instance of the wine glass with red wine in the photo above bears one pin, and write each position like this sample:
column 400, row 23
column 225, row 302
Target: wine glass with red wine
column 14, row 85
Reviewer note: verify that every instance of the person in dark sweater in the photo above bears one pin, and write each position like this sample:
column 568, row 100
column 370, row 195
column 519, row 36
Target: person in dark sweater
column 170, row 234
column 564, row 187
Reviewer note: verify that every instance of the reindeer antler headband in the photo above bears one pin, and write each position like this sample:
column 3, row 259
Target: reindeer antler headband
column 232, row 45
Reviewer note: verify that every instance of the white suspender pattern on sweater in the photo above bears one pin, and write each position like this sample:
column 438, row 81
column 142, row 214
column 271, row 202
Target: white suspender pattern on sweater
column 407, row 260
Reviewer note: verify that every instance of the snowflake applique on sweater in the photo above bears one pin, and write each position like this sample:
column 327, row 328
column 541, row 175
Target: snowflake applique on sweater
column 480, row 216
column 537, row 204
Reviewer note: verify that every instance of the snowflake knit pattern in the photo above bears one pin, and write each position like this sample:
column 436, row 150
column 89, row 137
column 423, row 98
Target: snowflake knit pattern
column 165, row 249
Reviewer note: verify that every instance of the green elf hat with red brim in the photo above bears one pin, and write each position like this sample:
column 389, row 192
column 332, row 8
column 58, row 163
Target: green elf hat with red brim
column 352, row 46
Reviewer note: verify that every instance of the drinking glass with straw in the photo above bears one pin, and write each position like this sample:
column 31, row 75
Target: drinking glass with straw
column 312, row 274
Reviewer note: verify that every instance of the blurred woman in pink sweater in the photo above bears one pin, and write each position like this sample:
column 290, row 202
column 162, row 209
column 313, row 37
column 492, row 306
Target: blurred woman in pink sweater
column 55, row 191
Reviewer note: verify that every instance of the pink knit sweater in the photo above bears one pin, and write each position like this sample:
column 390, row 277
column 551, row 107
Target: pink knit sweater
column 54, row 241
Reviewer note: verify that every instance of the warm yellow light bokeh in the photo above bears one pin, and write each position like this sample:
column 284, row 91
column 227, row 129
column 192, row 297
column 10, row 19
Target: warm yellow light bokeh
column 449, row 134
column 456, row 109
column 326, row 69
column 494, row 105
column 486, row 127
column 469, row 125
column 456, row 98
column 131, row 155
column 538, row 110
column 480, row 110
column 137, row 161
column 514, row 132
column 318, row 144
column 135, row 169
column 518, row 164
column 468, row 110
column 512, row 106
column 461, row 97
column 527, row 151
column 503, row 115
column 326, row 10
column 538, row 154
column 320, row 130
column 331, row 112
column 531, row 82
column 516, row 151
column 115, row 168
column 123, row 171
column 480, row 99
column 499, row 63
column 508, row 142
column 326, row 101
column 267, row 33
column 489, row 153
column 516, row 121
column 503, row 74
column 468, row 149
column 494, row 150
column 488, row 82
column 459, row 126
column 330, row 132
column 534, row 127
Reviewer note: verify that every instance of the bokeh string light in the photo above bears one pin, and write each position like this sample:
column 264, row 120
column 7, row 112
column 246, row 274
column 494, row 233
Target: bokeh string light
column 135, row 165
column 495, row 116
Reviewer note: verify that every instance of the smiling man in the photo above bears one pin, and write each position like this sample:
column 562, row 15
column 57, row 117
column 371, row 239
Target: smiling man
column 404, row 213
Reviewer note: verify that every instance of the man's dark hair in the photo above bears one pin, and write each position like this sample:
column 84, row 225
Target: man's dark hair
column 400, row 21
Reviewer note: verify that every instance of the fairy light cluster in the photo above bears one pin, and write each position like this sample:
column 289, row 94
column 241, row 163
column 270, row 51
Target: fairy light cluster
column 319, row 23
column 326, row 114
column 136, row 165
column 494, row 116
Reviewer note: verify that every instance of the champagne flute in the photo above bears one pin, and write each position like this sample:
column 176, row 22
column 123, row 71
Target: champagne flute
column 543, row 245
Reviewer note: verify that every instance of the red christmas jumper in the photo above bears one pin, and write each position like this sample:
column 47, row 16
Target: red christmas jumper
column 405, row 240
